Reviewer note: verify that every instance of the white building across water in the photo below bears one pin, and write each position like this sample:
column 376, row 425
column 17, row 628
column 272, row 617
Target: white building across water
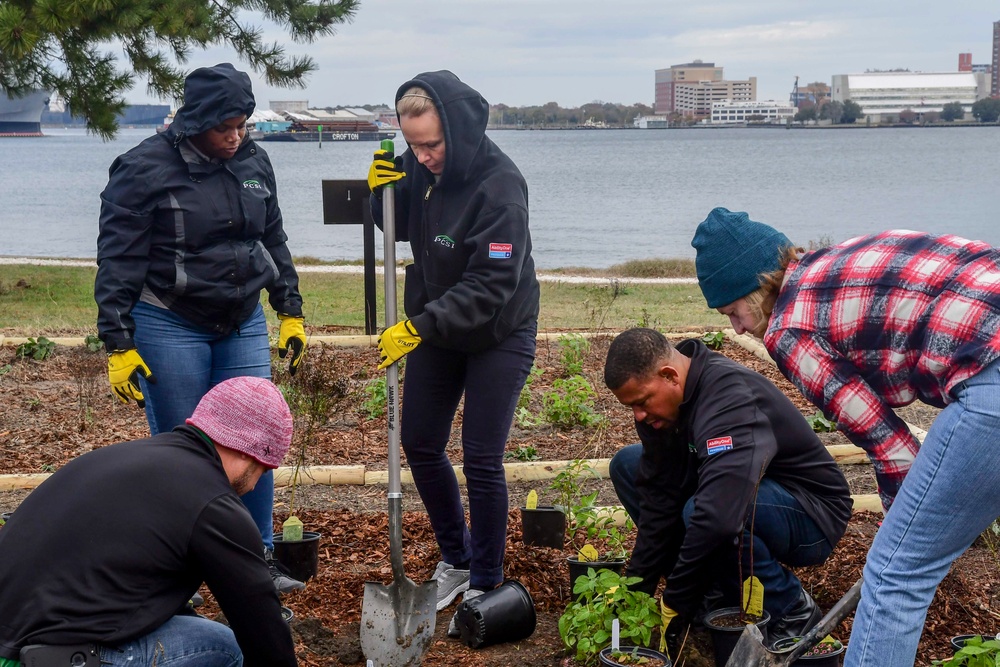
column 883, row 95
column 739, row 111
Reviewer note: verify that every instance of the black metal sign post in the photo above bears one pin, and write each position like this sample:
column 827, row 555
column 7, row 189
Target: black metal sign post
column 345, row 202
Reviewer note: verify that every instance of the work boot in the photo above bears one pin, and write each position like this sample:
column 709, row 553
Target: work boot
column 798, row 621
column 450, row 582
column 279, row 575
column 470, row 594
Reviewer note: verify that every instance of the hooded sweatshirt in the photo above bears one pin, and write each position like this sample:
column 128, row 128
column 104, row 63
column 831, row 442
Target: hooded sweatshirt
column 472, row 281
column 198, row 236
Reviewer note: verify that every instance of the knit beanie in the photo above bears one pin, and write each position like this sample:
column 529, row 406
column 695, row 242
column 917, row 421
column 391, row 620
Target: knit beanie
column 731, row 252
column 248, row 415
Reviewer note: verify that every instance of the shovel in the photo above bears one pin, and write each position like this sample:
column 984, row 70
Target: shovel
column 751, row 652
column 397, row 621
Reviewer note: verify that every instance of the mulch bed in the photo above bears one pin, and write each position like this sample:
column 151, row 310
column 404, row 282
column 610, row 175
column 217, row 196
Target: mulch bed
column 54, row 410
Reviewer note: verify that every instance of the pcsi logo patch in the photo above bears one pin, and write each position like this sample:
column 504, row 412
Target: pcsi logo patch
column 253, row 184
column 501, row 250
column 445, row 240
column 719, row 445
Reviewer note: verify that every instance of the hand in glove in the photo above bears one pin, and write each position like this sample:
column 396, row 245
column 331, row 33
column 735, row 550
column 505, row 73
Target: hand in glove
column 124, row 369
column 383, row 171
column 671, row 631
column 397, row 340
column 291, row 337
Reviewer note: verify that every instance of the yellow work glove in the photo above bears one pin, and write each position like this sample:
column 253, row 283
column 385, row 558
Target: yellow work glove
column 670, row 631
column 291, row 337
column 383, row 171
column 397, row 340
column 124, row 369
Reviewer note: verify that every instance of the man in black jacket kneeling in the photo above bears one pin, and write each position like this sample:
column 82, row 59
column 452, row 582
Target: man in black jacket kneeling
column 104, row 555
column 728, row 470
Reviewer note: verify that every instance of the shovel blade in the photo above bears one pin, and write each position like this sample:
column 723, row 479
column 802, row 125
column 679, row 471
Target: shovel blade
column 751, row 652
column 397, row 622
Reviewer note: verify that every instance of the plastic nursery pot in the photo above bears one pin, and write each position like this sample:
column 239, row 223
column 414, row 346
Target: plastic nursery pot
column 287, row 614
column 958, row 642
column 300, row 557
column 544, row 526
column 633, row 655
column 505, row 614
column 830, row 658
column 578, row 568
column 725, row 627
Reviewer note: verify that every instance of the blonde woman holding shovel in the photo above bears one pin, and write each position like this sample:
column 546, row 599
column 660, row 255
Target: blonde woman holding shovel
column 471, row 302
column 862, row 327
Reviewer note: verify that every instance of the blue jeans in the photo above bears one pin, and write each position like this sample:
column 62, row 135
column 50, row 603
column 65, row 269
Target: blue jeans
column 183, row 641
column 782, row 533
column 187, row 361
column 949, row 497
column 433, row 384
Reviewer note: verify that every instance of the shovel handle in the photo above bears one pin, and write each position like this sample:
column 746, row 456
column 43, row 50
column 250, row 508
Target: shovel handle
column 826, row 624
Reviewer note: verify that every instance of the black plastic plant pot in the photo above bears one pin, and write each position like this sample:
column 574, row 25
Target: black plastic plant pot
column 578, row 568
column 831, row 658
column 543, row 527
column 639, row 656
column 287, row 614
column 299, row 557
column 505, row 614
column 724, row 637
column 958, row 643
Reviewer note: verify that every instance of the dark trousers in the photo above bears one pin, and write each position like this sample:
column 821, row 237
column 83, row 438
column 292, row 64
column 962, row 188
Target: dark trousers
column 434, row 382
column 782, row 533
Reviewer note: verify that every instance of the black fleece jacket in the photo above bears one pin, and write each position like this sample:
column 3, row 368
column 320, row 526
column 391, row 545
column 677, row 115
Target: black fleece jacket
column 116, row 541
column 472, row 281
column 203, row 237
column 725, row 404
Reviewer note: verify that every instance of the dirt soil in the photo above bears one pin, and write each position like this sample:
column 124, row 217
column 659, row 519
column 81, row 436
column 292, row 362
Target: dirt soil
column 59, row 408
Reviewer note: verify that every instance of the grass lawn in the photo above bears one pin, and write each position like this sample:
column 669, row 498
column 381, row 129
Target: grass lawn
column 59, row 301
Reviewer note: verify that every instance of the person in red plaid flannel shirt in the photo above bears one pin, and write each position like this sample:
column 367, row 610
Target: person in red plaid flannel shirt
column 874, row 323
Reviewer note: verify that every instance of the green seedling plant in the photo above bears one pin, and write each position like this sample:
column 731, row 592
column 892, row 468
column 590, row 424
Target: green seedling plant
column 39, row 349
column 523, row 453
column 93, row 343
column 713, row 340
column 522, row 413
column 570, row 404
column 573, row 349
column 568, row 484
column 602, row 527
column 375, row 398
column 601, row 597
column 977, row 652
column 821, row 424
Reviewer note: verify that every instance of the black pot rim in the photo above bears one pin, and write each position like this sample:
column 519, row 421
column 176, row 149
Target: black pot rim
column 709, row 617
column 613, row 561
column 641, row 650
column 784, row 642
column 307, row 536
column 544, row 508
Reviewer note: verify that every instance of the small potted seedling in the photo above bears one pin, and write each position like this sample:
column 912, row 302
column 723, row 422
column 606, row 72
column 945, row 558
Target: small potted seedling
column 601, row 598
column 824, row 654
column 973, row 651
column 599, row 528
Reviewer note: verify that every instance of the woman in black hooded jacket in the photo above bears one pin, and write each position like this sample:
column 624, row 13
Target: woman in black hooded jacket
column 190, row 233
column 472, row 301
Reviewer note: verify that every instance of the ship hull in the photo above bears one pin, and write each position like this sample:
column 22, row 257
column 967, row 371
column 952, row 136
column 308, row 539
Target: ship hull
column 327, row 136
column 22, row 116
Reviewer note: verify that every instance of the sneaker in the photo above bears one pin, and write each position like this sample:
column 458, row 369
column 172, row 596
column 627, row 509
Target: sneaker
column 470, row 594
column 282, row 582
column 798, row 621
column 450, row 582
column 197, row 600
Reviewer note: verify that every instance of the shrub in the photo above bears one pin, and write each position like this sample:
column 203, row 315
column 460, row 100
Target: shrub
column 570, row 404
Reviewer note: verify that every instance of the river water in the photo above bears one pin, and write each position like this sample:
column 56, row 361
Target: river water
column 597, row 197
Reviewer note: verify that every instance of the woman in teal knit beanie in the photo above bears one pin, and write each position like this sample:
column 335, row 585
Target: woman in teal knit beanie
column 863, row 327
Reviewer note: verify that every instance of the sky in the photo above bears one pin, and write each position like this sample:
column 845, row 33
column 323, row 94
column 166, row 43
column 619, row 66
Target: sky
column 520, row 52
